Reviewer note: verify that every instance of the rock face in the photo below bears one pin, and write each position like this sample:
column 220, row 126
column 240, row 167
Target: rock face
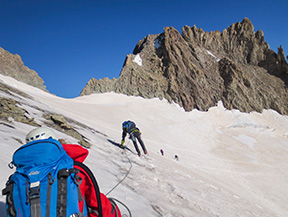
column 15, row 105
column 12, row 65
column 198, row 68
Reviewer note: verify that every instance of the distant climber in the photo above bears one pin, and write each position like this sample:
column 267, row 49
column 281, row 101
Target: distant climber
column 162, row 152
column 176, row 157
column 134, row 133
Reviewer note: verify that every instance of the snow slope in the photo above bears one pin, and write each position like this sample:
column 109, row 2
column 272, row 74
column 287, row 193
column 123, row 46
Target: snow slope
column 230, row 163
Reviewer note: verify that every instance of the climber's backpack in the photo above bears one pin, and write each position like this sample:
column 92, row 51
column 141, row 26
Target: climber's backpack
column 128, row 126
column 44, row 183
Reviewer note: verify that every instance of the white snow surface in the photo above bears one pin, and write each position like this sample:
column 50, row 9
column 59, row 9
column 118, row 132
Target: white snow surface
column 157, row 43
column 230, row 163
column 138, row 60
column 211, row 54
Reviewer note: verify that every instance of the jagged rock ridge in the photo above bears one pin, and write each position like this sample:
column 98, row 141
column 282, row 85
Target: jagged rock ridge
column 198, row 68
column 13, row 66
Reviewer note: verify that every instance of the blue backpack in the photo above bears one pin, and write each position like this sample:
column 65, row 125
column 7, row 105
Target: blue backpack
column 44, row 184
column 128, row 126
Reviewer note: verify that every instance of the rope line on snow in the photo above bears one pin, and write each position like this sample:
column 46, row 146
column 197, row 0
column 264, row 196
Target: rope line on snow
column 122, row 205
column 124, row 176
column 127, row 173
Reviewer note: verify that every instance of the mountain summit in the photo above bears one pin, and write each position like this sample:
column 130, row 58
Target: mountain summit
column 196, row 69
column 13, row 66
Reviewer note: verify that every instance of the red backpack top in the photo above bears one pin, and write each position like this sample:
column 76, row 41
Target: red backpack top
column 89, row 187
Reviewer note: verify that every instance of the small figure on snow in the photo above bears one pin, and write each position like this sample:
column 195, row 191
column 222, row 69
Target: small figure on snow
column 176, row 157
column 134, row 133
column 162, row 152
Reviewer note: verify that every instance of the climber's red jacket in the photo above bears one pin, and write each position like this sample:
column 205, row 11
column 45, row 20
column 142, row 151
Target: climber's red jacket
column 78, row 153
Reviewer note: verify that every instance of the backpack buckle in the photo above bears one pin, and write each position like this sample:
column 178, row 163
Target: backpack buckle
column 63, row 173
column 34, row 190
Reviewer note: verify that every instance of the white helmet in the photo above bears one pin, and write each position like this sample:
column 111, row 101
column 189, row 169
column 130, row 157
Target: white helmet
column 40, row 133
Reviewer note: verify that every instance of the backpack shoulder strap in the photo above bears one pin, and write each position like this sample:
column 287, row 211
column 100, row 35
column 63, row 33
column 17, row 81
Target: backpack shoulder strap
column 8, row 191
column 95, row 184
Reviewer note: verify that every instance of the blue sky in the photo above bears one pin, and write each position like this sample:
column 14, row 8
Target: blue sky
column 67, row 42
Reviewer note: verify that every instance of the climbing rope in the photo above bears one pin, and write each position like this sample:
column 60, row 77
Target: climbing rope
column 127, row 173
column 111, row 198
column 124, row 176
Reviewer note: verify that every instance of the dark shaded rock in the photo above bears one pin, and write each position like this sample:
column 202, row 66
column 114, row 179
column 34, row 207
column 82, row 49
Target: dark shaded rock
column 9, row 109
column 68, row 129
column 276, row 64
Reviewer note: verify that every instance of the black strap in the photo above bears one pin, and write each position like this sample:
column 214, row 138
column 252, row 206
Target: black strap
column 8, row 191
column 48, row 201
column 62, row 192
column 78, row 181
column 95, row 184
column 34, row 199
column 114, row 207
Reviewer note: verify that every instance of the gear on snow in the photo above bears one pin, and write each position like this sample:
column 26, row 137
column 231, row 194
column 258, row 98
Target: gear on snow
column 51, row 180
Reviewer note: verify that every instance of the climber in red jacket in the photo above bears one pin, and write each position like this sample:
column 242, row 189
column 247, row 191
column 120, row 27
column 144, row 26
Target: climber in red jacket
column 79, row 154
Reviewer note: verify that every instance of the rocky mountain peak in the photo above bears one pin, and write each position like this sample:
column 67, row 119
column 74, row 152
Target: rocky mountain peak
column 196, row 69
column 13, row 66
